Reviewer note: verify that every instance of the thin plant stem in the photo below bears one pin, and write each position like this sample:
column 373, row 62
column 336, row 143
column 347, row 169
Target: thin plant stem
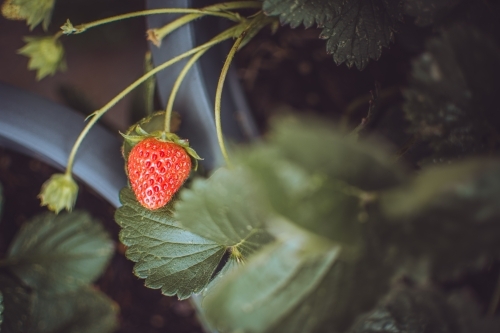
column 218, row 92
column 99, row 113
column 226, row 6
column 216, row 10
column 177, row 84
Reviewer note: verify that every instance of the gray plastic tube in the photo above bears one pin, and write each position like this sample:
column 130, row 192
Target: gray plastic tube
column 46, row 130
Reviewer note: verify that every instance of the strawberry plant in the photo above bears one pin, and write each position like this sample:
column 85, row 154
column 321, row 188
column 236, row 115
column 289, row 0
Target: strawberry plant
column 323, row 226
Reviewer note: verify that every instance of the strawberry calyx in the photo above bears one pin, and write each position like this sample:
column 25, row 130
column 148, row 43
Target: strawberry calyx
column 136, row 133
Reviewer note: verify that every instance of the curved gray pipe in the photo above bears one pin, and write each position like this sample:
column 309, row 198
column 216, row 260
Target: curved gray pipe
column 46, row 130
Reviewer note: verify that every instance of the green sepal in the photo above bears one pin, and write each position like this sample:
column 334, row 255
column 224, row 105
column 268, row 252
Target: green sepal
column 152, row 127
column 68, row 28
column 59, row 192
column 46, row 55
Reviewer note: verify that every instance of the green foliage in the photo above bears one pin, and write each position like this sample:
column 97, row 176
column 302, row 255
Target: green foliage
column 272, row 284
column 59, row 253
column 301, row 284
column 46, row 55
column 297, row 12
column 82, row 311
column 323, row 223
column 226, row 210
column 452, row 100
column 35, row 11
column 424, row 310
column 319, row 179
column 167, row 256
column 44, row 279
column 319, row 148
column 17, row 304
column 447, row 218
column 356, row 30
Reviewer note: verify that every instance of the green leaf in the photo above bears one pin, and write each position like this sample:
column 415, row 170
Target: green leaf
column 310, row 199
column 274, row 281
column 424, row 310
column 85, row 310
column 318, row 179
column 46, row 55
column 17, row 305
column 295, row 12
column 226, row 209
column 59, row 253
column 301, row 284
column 168, row 257
column 361, row 30
column 447, row 218
column 35, row 11
column 356, row 30
column 452, row 100
column 318, row 147
column 426, row 12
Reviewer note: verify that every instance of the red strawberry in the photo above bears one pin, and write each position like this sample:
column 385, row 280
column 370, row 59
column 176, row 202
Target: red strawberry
column 157, row 170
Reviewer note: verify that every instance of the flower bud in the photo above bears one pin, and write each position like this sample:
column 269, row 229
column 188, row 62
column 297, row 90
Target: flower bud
column 59, row 192
column 46, row 55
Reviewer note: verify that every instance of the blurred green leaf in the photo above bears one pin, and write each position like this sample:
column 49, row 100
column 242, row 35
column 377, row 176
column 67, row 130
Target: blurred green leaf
column 452, row 100
column 273, row 282
column 302, row 283
column 295, row 12
column 46, row 55
column 318, row 179
column 35, row 11
column 361, row 30
column 426, row 12
column 310, row 199
column 59, row 253
column 356, row 30
column 448, row 217
column 17, row 305
column 85, row 310
column 226, row 209
column 168, row 257
column 423, row 310
column 317, row 147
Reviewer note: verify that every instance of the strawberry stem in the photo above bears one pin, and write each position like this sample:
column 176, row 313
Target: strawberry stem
column 177, row 84
column 218, row 94
column 99, row 113
column 225, row 6
column 220, row 37
column 252, row 27
column 220, row 10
